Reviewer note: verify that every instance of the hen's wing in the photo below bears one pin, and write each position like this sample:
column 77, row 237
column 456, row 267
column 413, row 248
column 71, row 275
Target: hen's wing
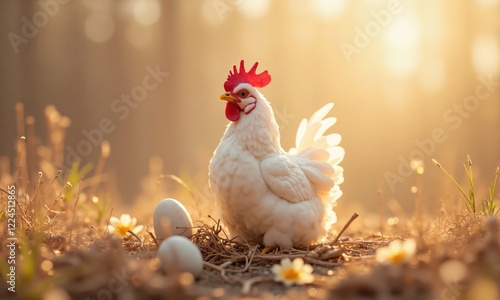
column 286, row 178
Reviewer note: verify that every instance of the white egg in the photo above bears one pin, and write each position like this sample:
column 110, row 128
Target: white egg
column 179, row 254
column 171, row 218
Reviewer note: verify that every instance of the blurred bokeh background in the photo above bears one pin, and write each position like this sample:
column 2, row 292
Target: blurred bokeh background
column 411, row 81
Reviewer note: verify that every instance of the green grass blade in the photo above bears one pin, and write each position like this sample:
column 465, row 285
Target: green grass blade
column 471, row 198
column 468, row 206
column 491, row 209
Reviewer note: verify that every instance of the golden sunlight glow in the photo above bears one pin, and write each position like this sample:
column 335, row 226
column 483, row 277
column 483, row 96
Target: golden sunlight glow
column 327, row 9
column 146, row 12
column 402, row 45
column 393, row 221
column 417, row 165
column 432, row 75
column 485, row 54
column 46, row 265
column 452, row 270
column 422, row 73
column 254, row 8
column 487, row 3
column 483, row 288
column 97, row 5
column 138, row 36
column 99, row 27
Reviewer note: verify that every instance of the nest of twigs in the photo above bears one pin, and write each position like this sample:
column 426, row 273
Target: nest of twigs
column 239, row 261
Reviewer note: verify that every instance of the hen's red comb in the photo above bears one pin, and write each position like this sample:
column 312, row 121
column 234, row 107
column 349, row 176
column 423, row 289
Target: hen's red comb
column 256, row 80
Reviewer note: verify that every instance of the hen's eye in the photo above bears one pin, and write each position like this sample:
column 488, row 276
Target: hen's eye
column 243, row 93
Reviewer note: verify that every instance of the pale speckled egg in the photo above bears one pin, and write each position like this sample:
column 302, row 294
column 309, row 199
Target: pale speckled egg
column 171, row 218
column 179, row 254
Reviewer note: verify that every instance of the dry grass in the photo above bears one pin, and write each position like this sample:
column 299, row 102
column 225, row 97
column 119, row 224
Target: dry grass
column 64, row 252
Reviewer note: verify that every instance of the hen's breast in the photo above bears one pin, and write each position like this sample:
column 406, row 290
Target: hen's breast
column 239, row 188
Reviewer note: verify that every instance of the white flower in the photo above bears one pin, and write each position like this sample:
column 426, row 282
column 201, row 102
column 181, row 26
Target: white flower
column 121, row 226
column 295, row 272
column 397, row 252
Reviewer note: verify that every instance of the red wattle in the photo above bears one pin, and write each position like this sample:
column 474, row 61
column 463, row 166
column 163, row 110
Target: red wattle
column 232, row 111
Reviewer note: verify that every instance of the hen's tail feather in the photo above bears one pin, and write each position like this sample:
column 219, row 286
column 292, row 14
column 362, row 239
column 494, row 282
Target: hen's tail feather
column 321, row 113
column 311, row 142
column 336, row 155
column 333, row 139
column 325, row 124
column 320, row 155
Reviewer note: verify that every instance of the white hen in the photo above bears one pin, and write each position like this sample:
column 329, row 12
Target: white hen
column 265, row 194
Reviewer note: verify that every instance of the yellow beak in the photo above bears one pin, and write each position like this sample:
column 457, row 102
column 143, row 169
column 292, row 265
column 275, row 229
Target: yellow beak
column 227, row 97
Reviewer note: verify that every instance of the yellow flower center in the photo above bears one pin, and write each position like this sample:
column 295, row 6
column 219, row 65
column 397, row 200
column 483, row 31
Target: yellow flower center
column 291, row 274
column 397, row 257
column 122, row 230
